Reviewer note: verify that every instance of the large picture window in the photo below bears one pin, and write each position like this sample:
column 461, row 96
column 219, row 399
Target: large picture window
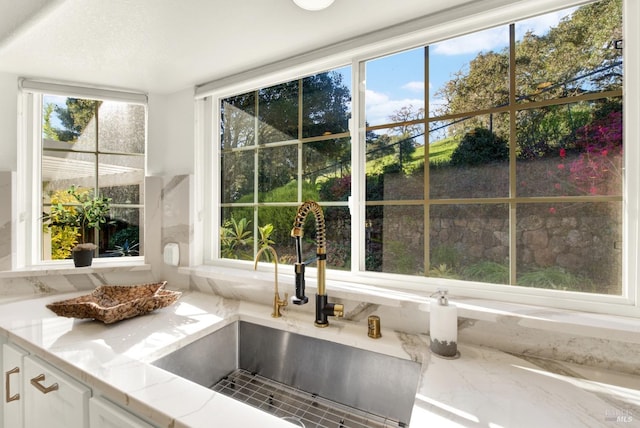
column 489, row 159
column 511, row 171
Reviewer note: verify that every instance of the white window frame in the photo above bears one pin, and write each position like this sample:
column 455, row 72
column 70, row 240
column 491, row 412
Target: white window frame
column 28, row 232
column 421, row 32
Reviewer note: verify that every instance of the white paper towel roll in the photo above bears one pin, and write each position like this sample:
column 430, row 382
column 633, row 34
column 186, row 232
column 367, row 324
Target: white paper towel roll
column 443, row 328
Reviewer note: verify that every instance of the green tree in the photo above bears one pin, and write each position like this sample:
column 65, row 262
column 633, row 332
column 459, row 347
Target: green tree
column 378, row 145
column 575, row 57
column 74, row 118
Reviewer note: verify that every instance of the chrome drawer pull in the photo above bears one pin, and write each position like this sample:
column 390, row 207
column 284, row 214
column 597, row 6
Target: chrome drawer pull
column 44, row 389
column 7, row 385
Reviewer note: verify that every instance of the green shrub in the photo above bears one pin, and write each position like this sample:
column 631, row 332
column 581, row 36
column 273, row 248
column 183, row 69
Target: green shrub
column 236, row 239
column 130, row 235
column 480, row 146
column 63, row 239
column 491, row 272
column 555, row 278
column 282, row 217
column 445, row 255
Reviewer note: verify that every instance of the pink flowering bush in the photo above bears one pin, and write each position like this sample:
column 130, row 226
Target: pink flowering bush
column 597, row 168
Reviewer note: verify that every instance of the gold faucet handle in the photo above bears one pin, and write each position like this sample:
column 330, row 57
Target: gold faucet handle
column 284, row 302
column 338, row 310
column 278, row 304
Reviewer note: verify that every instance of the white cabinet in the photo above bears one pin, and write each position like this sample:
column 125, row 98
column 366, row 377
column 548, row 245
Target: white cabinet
column 12, row 386
column 53, row 399
column 104, row 414
column 35, row 395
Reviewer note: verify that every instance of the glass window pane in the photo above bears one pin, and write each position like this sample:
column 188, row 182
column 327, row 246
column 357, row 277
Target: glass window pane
column 237, row 170
column 277, row 174
column 279, row 220
column 571, row 246
column 121, row 127
column 395, row 163
column 571, row 150
column 470, row 72
column 69, row 123
column 326, row 103
column 395, row 239
column 123, row 238
column 64, row 228
column 570, row 52
column 338, row 222
column 327, row 169
column 278, row 113
column 472, row 161
column 337, row 228
column 395, row 85
column 121, row 178
column 238, row 123
column 60, row 170
column 131, row 194
column 470, row 242
column 236, row 233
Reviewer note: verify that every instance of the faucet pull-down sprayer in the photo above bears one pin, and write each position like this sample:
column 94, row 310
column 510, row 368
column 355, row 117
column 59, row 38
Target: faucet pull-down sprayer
column 324, row 309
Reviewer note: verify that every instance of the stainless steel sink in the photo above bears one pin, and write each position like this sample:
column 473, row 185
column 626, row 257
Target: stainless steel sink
column 375, row 387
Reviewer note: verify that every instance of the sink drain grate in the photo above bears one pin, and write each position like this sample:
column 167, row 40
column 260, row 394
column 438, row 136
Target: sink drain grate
column 295, row 405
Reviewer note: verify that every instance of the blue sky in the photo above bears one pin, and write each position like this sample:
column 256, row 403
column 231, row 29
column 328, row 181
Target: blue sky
column 397, row 80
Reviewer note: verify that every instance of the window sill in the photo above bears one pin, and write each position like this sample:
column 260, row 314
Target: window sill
column 67, row 268
column 573, row 322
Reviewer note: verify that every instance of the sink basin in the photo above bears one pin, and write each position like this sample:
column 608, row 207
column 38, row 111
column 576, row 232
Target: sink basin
column 376, row 384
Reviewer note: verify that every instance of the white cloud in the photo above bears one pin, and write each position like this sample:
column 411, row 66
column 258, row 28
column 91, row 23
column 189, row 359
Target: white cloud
column 498, row 38
column 495, row 38
column 540, row 25
column 414, row 86
column 379, row 106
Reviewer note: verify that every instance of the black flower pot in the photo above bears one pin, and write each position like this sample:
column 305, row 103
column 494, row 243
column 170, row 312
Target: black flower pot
column 82, row 258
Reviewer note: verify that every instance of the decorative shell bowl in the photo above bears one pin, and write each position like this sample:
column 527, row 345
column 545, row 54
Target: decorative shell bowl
column 111, row 303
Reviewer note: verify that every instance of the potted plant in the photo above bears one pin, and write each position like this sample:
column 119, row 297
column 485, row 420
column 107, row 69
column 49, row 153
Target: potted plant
column 84, row 214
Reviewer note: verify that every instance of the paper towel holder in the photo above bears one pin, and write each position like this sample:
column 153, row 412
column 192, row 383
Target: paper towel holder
column 447, row 349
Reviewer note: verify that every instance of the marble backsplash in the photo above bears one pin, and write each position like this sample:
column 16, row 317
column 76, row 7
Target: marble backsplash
column 598, row 341
column 168, row 220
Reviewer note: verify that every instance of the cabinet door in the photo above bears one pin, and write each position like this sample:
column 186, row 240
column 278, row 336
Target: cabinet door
column 12, row 374
column 104, row 414
column 52, row 398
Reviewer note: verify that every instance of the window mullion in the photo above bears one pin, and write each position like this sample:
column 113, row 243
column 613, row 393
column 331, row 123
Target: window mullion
column 256, row 166
column 357, row 206
column 512, row 157
column 300, row 135
column 427, row 206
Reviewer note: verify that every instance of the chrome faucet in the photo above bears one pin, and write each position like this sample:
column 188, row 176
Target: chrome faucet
column 277, row 302
column 324, row 309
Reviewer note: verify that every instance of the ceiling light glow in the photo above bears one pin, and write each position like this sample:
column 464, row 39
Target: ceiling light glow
column 313, row 4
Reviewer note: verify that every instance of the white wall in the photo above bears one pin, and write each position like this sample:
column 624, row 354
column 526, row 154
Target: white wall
column 170, row 145
column 8, row 121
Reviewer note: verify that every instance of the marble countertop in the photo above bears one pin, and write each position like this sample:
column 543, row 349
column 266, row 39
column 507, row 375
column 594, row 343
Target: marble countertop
column 483, row 388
